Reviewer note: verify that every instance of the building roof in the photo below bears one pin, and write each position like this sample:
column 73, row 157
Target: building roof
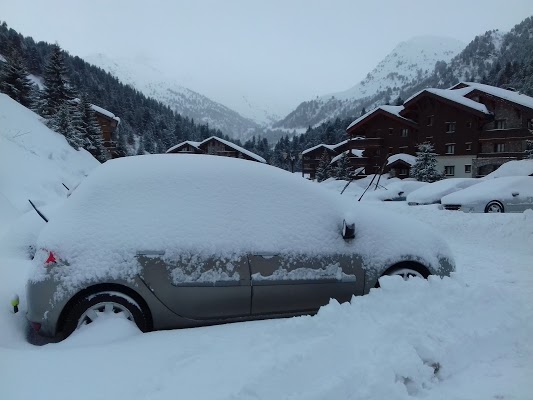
column 407, row 158
column 327, row 146
column 354, row 152
column 227, row 143
column 100, row 110
column 393, row 110
column 456, row 96
column 187, row 142
column 505, row 94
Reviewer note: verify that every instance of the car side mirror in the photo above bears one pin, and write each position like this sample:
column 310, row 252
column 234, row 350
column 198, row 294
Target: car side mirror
column 348, row 230
column 515, row 194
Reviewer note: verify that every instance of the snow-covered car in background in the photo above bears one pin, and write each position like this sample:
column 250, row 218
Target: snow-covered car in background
column 434, row 192
column 512, row 168
column 171, row 241
column 395, row 191
column 507, row 194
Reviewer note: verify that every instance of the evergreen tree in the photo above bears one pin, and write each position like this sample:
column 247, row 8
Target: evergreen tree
column 425, row 168
column 399, row 101
column 343, row 169
column 61, row 122
column 529, row 149
column 14, row 80
column 57, row 89
column 89, row 129
column 323, row 170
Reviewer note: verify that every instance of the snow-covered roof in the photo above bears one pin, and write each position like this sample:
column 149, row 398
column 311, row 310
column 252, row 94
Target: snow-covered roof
column 354, row 152
column 457, row 96
column 327, row 146
column 408, row 158
column 227, row 143
column 394, row 110
column 509, row 95
column 101, row 110
column 238, row 148
column 189, row 142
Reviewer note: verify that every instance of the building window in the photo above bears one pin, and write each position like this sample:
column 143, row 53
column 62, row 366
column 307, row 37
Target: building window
column 405, row 132
column 450, row 149
column 500, row 124
column 499, row 147
column 450, row 127
column 530, row 124
column 391, row 150
column 468, row 146
column 429, row 121
column 391, row 131
column 468, row 169
column 469, row 124
column 403, row 172
column 449, row 170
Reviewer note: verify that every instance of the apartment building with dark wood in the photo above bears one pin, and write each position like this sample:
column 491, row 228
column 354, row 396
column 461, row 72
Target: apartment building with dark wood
column 474, row 128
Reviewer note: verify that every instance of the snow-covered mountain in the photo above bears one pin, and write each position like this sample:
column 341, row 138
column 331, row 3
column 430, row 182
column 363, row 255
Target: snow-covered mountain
column 152, row 82
column 410, row 62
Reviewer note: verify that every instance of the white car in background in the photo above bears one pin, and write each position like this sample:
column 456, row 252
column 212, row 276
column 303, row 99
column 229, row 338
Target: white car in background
column 434, row 192
column 395, row 191
column 507, row 194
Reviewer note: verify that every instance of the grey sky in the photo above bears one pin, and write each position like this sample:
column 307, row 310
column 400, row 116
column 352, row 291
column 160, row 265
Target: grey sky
column 276, row 53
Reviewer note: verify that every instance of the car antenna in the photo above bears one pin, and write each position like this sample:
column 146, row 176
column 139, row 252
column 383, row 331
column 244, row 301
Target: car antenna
column 37, row 211
column 372, row 181
column 353, row 176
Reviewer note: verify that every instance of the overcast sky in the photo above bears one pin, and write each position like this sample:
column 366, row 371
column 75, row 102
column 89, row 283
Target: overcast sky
column 275, row 52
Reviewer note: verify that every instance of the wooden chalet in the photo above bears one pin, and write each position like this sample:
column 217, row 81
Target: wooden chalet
column 215, row 146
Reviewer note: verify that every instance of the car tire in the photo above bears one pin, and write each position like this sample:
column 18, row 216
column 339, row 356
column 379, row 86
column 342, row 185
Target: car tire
column 494, row 207
column 90, row 307
column 405, row 272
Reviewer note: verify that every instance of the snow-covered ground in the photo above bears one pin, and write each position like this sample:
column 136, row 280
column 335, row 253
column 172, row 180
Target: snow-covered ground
column 475, row 326
column 463, row 337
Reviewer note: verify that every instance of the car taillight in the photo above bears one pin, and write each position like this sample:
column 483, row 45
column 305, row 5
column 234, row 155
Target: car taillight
column 51, row 258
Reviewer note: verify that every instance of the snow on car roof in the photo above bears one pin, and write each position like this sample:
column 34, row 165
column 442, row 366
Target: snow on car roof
column 512, row 168
column 493, row 189
column 202, row 205
column 435, row 191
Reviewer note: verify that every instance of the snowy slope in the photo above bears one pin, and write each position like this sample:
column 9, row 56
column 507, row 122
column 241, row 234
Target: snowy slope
column 35, row 161
column 410, row 62
column 154, row 83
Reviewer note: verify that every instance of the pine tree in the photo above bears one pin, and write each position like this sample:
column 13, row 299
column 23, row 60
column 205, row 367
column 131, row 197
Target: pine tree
column 343, row 169
column 57, row 89
column 14, row 80
column 529, row 149
column 425, row 168
column 323, row 170
column 89, row 129
column 61, row 122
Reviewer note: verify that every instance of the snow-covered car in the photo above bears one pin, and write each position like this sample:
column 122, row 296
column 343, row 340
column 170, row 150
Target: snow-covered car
column 434, row 192
column 512, row 168
column 171, row 241
column 395, row 191
column 507, row 194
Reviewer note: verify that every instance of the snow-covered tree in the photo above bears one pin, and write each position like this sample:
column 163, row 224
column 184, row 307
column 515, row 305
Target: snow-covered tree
column 89, row 129
column 343, row 169
column 323, row 170
column 14, row 80
column 529, row 149
column 61, row 122
column 57, row 89
column 425, row 167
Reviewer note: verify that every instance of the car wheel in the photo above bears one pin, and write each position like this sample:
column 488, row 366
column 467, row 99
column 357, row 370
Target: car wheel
column 405, row 273
column 494, row 207
column 110, row 303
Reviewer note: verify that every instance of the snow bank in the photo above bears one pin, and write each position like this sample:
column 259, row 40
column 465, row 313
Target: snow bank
column 35, row 161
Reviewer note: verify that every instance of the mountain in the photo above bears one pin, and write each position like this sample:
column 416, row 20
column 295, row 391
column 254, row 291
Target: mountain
column 153, row 83
column 411, row 61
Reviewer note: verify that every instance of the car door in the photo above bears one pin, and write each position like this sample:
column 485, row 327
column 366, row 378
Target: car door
column 292, row 284
column 200, row 288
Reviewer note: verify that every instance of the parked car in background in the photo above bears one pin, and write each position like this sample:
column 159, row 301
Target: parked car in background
column 395, row 191
column 507, row 194
column 512, row 168
column 180, row 241
column 434, row 192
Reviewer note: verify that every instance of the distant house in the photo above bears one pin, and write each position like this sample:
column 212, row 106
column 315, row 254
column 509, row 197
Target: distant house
column 215, row 146
column 474, row 129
